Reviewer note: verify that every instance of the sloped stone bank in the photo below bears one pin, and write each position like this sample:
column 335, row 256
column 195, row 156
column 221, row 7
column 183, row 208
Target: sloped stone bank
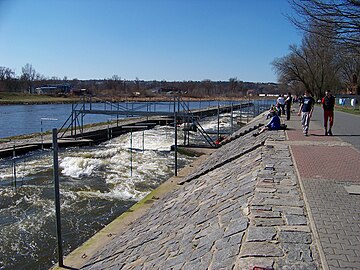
column 242, row 207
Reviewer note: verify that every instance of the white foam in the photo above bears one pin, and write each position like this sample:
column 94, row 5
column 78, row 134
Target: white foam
column 78, row 167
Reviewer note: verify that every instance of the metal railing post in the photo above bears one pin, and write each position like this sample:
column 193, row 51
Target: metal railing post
column 57, row 198
column 175, row 139
column 232, row 119
column 131, row 157
column 14, row 167
column 218, row 121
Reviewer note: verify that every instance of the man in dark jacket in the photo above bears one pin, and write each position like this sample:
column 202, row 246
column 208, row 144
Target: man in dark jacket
column 288, row 102
column 328, row 103
column 306, row 109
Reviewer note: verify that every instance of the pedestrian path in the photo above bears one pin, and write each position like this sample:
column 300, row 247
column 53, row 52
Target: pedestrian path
column 329, row 170
column 244, row 213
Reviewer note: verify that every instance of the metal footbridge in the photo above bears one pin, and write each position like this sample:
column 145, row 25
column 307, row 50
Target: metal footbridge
column 176, row 111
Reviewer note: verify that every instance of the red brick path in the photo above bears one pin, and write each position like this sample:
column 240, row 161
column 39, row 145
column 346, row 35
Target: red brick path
column 315, row 135
column 327, row 162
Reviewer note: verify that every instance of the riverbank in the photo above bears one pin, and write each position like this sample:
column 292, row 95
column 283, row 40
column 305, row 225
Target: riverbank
column 238, row 208
column 15, row 98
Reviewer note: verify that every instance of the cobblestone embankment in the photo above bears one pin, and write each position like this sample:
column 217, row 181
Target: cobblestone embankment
column 239, row 208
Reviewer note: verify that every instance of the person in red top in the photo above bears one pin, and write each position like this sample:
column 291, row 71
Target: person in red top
column 328, row 103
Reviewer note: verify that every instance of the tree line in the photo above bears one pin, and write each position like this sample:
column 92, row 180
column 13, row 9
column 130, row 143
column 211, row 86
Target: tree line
column 328, row 57
column 29, row 80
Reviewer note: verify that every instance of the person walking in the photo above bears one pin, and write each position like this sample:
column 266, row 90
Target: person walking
column 328, row 103
column 280, row 104
column 288, row 102
column 305, row 110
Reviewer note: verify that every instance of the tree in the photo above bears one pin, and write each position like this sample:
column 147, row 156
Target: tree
column 7, row 79
column 314, row 64
column 28, row 72
column 343, row 16
column 6, row 74
column 350, row 71
column 208, row 86
column 28, row 75
column 233, row 83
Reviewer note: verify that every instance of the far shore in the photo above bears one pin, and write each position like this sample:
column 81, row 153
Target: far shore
column 15, row 98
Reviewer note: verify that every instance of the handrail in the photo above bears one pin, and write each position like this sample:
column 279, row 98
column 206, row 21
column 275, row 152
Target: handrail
column 73, row 117
column 194, row 119
column 77, row 113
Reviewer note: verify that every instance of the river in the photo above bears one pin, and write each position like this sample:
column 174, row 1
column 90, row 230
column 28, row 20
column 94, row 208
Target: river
column 97, row 184
column 26, row 119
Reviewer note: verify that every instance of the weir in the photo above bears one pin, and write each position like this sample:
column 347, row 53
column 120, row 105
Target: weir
column 176, row 108
column 147, row 115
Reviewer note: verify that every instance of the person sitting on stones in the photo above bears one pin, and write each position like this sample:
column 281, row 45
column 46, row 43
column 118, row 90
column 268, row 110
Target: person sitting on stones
column 273, row 124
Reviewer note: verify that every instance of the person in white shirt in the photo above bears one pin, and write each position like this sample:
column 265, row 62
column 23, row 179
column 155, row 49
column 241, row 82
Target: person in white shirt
column 280, row 103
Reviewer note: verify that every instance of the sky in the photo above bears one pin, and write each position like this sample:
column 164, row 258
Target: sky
column 172, row 40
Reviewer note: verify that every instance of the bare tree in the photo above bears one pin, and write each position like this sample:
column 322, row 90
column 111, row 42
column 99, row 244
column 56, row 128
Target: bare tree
column 28, row 72
column 6, row 73
column 314, row 64
column 208, row 86
column 350, row 71
column 341, row 16
column 28, row 75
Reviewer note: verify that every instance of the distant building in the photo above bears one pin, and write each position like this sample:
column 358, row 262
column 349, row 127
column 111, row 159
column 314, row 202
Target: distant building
column 53, row 89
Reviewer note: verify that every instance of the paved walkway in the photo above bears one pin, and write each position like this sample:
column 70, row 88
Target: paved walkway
column 329, row 170
column 276, row 201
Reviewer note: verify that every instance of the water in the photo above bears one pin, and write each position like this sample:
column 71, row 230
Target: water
column 97, row 185
column 26, row 119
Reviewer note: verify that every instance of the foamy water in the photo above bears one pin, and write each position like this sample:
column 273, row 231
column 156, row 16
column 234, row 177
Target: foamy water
column 97, row 184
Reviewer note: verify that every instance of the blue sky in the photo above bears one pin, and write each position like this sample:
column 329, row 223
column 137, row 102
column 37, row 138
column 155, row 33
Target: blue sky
column 146, row 39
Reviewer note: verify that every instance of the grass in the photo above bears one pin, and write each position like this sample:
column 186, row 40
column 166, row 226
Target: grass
column 23, row 98
column 11, row 98
column 350, row 110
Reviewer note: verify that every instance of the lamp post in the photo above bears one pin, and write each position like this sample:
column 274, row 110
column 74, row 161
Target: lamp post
column 41, row 128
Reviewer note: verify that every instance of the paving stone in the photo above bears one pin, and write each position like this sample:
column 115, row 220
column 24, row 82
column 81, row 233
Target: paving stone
column 289, row 210
column 260, row 249
column 250, row 263
column 294, row 228
column 261, row 233
column 291, row 265
column 217, row 263
column 235, row 238
column 268, row 222
column 194, row 264
column 298, row 252
column 293, row 220
column 235, row 227
column 288, row 182
column 261, row 207
column 283, row 202
column 266, row 190
column 295, row 237
column 265, row 214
